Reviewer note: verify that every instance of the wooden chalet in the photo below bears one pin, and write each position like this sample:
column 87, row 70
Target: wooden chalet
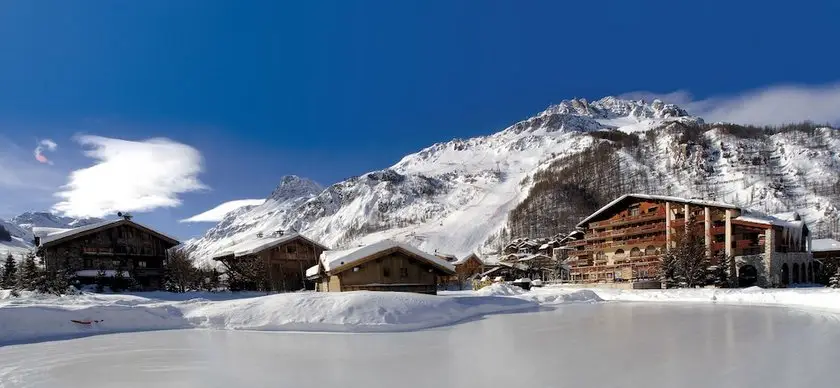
column 624, row 240
column 468, row 266
column 285, row 258
column 122, row 245
column 384, row 266
column 825, row 250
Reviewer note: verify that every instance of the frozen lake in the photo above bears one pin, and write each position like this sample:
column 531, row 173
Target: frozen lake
column 580, row 345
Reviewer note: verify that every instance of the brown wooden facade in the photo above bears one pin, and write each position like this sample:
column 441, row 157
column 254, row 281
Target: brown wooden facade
column 285, row 261
column 114, row 245
column 625, row 241
column 393, row 269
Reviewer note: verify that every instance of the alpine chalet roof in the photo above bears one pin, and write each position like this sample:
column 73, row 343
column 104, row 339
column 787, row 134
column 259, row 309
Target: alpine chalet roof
column 332, row 260
column 54, row 238
column 825, row 245
column 698, row 202
column 251, row 247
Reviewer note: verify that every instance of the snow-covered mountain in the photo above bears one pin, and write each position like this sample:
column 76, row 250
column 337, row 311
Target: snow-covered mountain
column 459, row 196
column 448, row 197
column 24, row 227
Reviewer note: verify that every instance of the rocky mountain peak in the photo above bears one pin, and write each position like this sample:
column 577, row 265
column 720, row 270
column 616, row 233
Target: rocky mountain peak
column 293, row 186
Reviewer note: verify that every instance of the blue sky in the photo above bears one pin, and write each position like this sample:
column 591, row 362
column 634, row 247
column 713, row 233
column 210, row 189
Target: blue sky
column 330, row 90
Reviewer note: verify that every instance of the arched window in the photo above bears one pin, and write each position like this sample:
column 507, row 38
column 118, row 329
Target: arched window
column 785, row 274
column 619, row 254
column 796, row 273
column 635, row 252
column 810, row 278
column 747, row 276
column 650, row 250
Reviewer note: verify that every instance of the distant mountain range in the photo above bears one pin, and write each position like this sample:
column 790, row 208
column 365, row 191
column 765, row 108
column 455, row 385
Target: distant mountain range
column 23, row 228
column 543, row 174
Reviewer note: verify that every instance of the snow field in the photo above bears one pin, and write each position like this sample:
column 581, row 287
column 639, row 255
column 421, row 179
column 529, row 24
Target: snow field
column 36, row 317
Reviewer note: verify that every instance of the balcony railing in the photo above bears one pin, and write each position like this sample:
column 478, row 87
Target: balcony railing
column 629, row 219
column 652, row 228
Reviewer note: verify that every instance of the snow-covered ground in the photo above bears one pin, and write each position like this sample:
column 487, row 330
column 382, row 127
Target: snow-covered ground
column 34, row 317
column 648, row 345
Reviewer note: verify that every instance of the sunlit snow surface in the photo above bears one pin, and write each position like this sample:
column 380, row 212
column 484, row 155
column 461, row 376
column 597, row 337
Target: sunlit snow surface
column 578, row 345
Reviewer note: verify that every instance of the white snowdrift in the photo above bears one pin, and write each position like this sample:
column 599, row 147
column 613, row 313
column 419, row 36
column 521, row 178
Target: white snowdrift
column 355, row 311
column 37, row 317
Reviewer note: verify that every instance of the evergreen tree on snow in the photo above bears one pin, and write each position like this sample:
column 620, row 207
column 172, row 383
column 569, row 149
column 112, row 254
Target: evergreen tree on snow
column 29, row 275
column 9, row 272
column 834, row 281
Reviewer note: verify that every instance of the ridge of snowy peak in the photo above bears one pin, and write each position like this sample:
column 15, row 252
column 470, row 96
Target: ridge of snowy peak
column 611, row 107
column 29, row 220
column 293, row 186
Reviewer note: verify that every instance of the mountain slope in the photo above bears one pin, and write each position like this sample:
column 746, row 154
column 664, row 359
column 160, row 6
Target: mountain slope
column 541, row 175
column 24, row 227
column 451, row 197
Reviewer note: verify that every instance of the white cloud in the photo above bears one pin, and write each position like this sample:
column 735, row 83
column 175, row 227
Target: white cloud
column 39, row 150
column 217, row 213
column 782, row 104
column 130, row 176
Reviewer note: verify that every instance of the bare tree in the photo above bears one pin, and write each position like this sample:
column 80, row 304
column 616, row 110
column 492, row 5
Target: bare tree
column 180, row 273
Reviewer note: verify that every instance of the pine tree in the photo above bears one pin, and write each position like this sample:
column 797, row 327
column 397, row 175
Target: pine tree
column 9, row 272
column 834, row 281
column 100, row 279
column 29, row 275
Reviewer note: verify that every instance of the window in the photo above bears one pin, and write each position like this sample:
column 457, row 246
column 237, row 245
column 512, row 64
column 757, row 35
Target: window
column 386, row 272
column 634, row 211
column 653, row 209
column 291, row 249
column 115, row 263
column 403, row 272
column 88, row 263
column 141, row 264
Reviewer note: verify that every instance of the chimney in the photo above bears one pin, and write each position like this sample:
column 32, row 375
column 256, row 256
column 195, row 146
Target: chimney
column 37, row 241
column 278, row 232
column 259, row 234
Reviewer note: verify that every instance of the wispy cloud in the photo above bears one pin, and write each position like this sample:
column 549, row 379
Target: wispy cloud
column 24, row 184
column 782, row 104
column 217, row 213
column 130, row 176
column 47, row 144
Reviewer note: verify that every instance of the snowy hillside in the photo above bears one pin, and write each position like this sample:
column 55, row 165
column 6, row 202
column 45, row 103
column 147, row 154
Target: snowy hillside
column 542, row 175
column 451, row 197
column 24, row 227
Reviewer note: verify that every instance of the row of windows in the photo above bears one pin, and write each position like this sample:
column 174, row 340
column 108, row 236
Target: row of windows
column 89, row 263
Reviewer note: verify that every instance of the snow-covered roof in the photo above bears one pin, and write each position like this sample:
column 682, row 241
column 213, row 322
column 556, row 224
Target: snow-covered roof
column 313, row 270
column 332, row 260
column 43, row 231
column 92, row 273
column 825, row 245
column 467, row 257
column 761, row 218
column 53, row 237
column 251, row 247
column 698, row 202
column 534, row 256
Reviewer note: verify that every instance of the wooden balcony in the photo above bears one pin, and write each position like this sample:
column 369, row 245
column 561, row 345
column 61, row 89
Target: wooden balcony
column 629, row 219
column 717, row 230
column 742, row 244
column 652, row 228
column 717, row 246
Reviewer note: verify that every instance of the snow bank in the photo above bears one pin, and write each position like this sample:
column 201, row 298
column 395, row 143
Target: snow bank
column 37, row 317
column 355, row 311
column 825, row 299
